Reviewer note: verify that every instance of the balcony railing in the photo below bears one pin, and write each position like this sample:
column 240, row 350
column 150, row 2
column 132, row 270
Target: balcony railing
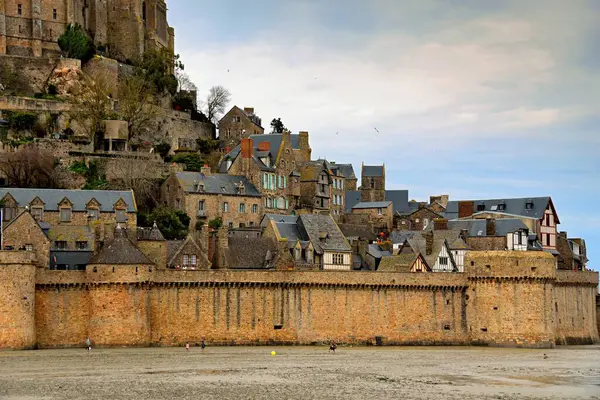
column 201, row 213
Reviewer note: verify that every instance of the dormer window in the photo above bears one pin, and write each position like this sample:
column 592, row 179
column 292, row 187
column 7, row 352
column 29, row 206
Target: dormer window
column 199, row 186
column 481, row 207
column 501, row 207
column 93, row 214
column 65, row 214
column 121, row 215
column 37, row 213
column 529, row 205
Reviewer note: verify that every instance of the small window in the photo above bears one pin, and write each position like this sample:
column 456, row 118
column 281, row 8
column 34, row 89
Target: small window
column 417, row 220
column 242, row 207
column 380, row 211
column 60, row 245
column 481, row 207
column 193, row 260
column 65, row 215
column 501, row 207
column 201, row 205
column 225, row 207
column 81, row 245
column 121, row 215
column 338, row 259
column 529, row 205
column 547, row 239
column 94, row 214
column 28, row 247
column 20, row 30
column 54, row 14
column 548, row 220
column 186, row 259
column 443, row 260
column 19, row 12
column 230, row 225
column 255, row 208
column 37, row 213
column 178, row 203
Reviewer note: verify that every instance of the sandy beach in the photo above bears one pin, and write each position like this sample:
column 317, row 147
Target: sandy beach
column 302, row 373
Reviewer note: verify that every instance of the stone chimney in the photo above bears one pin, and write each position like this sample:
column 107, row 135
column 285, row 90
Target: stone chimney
column 563, row 234
column 440, row 224
column 490, row 227
column 222, row 248
column 304, row 146
column 286, row 137
column 465, row 208
column 361, row 250
column 205, row 170
column 428, row 243
column 249, row 110
column 264, row 146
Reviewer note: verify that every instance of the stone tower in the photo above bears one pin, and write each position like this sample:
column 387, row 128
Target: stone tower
column 372, row 186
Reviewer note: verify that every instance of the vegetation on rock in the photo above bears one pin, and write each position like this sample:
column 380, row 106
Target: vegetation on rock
column 76, row 43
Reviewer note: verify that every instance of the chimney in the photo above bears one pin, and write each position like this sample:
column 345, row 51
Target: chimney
column 490, row 227
column 249, row 110
column 465, row 208
column 304, row 146
column 264, row 146
column 563, row 234
column 285, row 137
column 222, row 247
column 464, row 234
column 428, row 243
column 205, row 170
column 440, row 224
column 362, row 247
column 444, row 200
column 247, row 148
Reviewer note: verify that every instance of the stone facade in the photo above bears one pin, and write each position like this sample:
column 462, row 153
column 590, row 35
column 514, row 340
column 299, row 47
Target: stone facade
column 123, row 28
column 239, row 124
column 315, row 187
column 417, row 220
column 24, row 232
column 380, row 216
column 372, row 186
column 503, row 299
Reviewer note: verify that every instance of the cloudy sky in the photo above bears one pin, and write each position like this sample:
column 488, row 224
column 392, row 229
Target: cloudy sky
column 476, row 99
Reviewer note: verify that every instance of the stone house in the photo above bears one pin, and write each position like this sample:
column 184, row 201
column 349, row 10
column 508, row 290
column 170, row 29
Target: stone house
column 435, row 250
column 313, row 240
column 380, row 214
column 316, row 182
column 537, row 213
column 205, row 196
column 238, row 124
column 572, row 253
column 407, row 261
column 417, row 220
column 343, row 179
column 271, row 163
column 24, row 232
column 124, row 28
column 188, row 254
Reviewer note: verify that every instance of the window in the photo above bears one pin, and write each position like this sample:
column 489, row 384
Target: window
column 20, row 30
column 9, row 213
column 19, row 10
column 297, row 254
column 255, row 208
column 548, row 220
column 225, row 207
column 372, row 183
column 335, row 183
column 121, row 215
column 178, row 203
column 280, row 181
column 37, row 212
column 425, row 222
column 309, row 256
column 28, row 247
column 230, row 225
column 54, row 14
column 65, row 215
column 60, row 245
column 81, row 245
column 275, row 203
column 251, row 223
column 529, row 205
column 201, row 205
column 341, row 184
column 144, row 11
column 443, row 260
column 284, row 182
column 186, row 259
column 242, row 207
column 417, row 220
column 338, row 259
column 380, row 211
column 193, row 260
column 501, row 207
column 547, row 239
column 481, row 207
column 94, row 214
column 265, row 181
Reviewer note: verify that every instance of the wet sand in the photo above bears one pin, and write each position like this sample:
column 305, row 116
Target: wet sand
column 302, row 373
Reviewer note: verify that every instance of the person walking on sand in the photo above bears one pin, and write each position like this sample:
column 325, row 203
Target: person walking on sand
column 88, row 343
column 203, row 345
column 187, row 346
column 332, row 347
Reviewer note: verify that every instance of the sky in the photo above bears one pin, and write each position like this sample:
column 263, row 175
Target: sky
column 475, row 99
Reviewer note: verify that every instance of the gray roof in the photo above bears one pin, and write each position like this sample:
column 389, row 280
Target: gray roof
column 121, row 251
column 291, row 232
column 79, row 198
column 376, row 251
column 316, row 225
column 70, row 257
column 216, row 183
column 372, row 170
column 356, row 230
column 346, row 170
column 515, row 206
column 477, row 227
column 153, row 233
column 274, row 139
column 278, row 218
column 251, row 253
column 172, row 247
column 372, row 204
column 399, row 199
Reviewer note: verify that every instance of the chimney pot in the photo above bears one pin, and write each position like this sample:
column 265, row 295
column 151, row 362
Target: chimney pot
column 249, row 110
column 247, row 148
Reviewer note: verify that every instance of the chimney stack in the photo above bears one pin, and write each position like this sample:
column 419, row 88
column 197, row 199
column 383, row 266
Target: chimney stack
column 490, row 227
column 304, row 146
column 205, row 170
column 465, row 208
column 440, row 224
column 428, row 243
column 247, row 148
column 249, row 110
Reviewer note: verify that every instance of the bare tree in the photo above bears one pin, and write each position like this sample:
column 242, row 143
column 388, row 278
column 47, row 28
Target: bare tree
column 217, row 100
column 94, row 103
column 30, row 167
column 136, row 105
column 140, row 174
column 184, row 81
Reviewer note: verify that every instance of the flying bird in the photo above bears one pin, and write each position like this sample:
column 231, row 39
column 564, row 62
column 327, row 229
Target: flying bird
column 336, row 133
column 228, row 70
column 376, row 130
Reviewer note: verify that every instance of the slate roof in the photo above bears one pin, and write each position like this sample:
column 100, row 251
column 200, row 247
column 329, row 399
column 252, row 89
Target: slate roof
column 372, row 170
column 274, row 139
column 278, row 218
column 216, row 183
column 355, row 230
column 346, row 170
column 375, row 250
column 399, row 199
column 419, row 245
column 316, row 225
column 252, row 253
column 397, row 263
column 121, row 251
column 70, row 257
column 79, row 198
column 477, row 227
column 372, row 204
column 153, row 234
column 172, row 247
column 516, row 206
column 352, row 199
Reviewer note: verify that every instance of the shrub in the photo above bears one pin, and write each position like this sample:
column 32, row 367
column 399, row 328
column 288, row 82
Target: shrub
column 76, row 43
column 207, row 146
column 22, row 121
column 172, row 223
column 192, row 161
column 52, row 89
column 163, row 149
column 215, row 223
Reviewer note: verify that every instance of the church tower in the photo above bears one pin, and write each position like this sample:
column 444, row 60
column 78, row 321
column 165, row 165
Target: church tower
column 372, row 183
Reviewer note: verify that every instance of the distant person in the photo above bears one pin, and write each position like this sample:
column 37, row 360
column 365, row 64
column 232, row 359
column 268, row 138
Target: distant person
column 187, row 346
column 332, row 347
column 88, row 343
column 203, row 345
